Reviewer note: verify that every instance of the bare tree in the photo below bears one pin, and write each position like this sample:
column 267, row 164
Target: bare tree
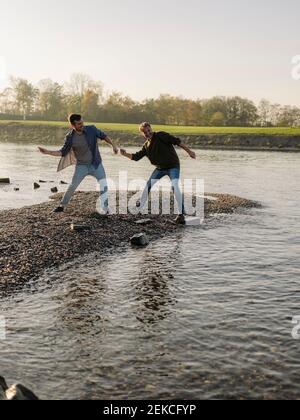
column 25, row 95
column 79, row 85
column 51, row 100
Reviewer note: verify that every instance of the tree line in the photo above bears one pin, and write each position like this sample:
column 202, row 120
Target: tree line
column 52, row 101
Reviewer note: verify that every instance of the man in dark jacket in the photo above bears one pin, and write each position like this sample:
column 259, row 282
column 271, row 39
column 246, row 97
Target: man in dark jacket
column 81, row 148
column 160, row 150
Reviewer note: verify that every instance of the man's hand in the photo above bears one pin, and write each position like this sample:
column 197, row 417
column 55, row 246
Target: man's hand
column 125, row 154
column 188, row 150
column 43, row 150
column 109, row 141
column 50, row 152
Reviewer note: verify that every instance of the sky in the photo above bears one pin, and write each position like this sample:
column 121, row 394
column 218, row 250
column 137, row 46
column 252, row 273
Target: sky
column 193, row 48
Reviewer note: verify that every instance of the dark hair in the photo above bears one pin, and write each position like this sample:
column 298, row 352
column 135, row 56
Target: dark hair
column 73, row 118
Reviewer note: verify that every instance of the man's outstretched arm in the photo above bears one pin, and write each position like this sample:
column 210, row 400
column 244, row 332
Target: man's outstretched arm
column 109, row 141
column 55, row 153
column 190, row 152
column 136, row 156
column 169, row 139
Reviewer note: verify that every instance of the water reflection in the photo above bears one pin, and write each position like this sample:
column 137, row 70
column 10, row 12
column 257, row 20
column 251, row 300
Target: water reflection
column 154, row 286
column 80, row 304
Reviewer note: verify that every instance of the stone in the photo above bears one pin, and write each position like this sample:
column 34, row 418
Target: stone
column 77, row 227
column 36, row 186
column 54, row 190
column 15, row 392
column 4, row 181
column 63, row 183
column 192, row 221
column 140, row 240
column 144, row 222
column 16, row 189
column 20, row 393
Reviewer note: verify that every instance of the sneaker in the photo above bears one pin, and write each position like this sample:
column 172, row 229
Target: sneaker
column 104, row 212
column 180, row 220
column 59, row 209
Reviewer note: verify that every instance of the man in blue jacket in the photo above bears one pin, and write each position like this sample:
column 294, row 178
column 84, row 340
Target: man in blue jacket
column 81, row 148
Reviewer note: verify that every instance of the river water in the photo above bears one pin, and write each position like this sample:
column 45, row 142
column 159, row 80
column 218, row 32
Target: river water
column 206, row 313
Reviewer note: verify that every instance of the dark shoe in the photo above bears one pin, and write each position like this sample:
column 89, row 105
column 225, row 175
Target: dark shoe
column 180, row 220
column 59, row 209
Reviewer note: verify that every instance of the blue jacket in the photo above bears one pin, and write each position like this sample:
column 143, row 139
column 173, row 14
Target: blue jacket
column 92, row 135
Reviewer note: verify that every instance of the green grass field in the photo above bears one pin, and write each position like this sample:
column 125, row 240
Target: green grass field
column 133, row 128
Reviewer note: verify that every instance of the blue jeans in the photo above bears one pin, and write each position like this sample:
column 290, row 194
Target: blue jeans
column 158, row 174
column 81, row 172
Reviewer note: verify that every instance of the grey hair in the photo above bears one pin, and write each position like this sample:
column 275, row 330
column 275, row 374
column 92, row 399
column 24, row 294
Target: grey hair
column 145, row 125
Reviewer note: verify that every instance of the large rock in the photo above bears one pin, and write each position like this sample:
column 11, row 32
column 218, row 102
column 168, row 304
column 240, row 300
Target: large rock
column 140, row 240
column 4, row 181
column 15, row 392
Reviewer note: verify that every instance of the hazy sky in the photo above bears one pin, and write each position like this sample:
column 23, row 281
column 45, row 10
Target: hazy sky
column 195, row 48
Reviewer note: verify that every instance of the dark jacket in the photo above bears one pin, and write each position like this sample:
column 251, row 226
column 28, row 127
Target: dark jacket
column 160, row 151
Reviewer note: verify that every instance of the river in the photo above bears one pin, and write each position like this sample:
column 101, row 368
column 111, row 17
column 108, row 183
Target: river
column 206, row 313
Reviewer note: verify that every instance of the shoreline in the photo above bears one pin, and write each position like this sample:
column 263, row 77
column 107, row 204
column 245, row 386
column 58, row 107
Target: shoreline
column 33, row 239
column 53, row 134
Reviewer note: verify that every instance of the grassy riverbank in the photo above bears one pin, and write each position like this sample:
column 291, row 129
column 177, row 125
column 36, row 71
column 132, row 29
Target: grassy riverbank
column 226, row 138
column 186, row 130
